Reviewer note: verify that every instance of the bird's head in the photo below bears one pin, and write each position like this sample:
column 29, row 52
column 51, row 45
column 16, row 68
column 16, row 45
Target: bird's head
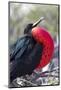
column 30, row 26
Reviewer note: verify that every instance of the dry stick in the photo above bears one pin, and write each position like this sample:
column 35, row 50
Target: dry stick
column 47, row 72
column 49, row 75
column 28, row 82
column 57, row 68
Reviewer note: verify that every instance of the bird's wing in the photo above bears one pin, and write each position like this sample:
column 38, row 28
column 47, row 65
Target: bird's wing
column 35, row 55
column 21, row 46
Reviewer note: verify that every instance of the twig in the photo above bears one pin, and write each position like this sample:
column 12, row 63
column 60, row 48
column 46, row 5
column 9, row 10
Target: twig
column 28, row 82
column 47, row 71
column 49, row 76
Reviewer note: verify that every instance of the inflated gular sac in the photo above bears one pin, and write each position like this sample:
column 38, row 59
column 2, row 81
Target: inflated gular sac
column 41, row 35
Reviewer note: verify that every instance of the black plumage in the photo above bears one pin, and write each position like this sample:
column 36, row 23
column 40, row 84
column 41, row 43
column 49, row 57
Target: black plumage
column 25, row 56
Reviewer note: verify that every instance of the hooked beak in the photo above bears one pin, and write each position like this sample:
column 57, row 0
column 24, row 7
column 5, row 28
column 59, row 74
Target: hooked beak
column 37, row 22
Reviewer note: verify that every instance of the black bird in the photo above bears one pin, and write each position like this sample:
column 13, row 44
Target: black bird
column 25, row 55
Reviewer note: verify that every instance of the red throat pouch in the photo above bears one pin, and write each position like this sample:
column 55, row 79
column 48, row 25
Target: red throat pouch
column 42, row 36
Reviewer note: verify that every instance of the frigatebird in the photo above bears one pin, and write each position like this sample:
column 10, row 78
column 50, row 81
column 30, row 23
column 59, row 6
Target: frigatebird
column 27, row 53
